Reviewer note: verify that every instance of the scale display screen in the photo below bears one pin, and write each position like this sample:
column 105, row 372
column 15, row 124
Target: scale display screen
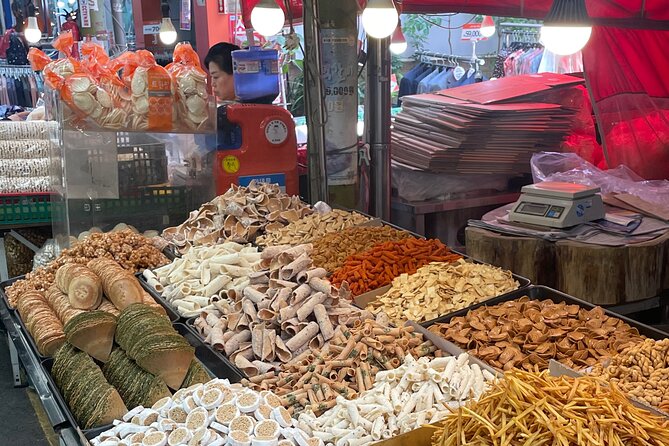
column 533, row 209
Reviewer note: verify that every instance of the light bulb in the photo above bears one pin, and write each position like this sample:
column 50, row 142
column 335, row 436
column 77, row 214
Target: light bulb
column 60, row 4
column 267, row 18
column 32, row 31
column 380, row 18
column 167, row 33
column 398, row 43
column 487, row 26
column 71, row 2
column 565, row 40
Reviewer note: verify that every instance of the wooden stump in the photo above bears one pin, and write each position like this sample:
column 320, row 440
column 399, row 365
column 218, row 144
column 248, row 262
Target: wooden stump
column 598, row 274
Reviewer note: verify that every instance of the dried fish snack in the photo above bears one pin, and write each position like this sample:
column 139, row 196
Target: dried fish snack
column 378, row 266
column 311, row 227
column 331, row 250
column 213, row 417
column 346, row 366
column 132, row 251
column 527, row 334
column 136, row 386
column 240, row 215
column 403, row 399
column 204, row 274
column 641, row 371
column 287, row 307
column 41, row 322
column 92, row 400
column 438, row 288
column 539, row 409
column 150, row 340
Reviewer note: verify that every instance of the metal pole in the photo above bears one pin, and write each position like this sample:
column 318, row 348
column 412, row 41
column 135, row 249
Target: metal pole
column 313, row 92
column 377, row 121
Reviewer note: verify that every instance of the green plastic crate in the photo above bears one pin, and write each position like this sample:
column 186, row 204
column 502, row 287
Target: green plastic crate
column 25, row 209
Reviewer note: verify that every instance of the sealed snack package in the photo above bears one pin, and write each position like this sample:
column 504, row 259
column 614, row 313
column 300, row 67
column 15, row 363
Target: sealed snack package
column 152, row 95
column 190, row 83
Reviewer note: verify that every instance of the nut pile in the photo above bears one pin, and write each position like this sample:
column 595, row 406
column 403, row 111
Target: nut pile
column 287, row 308
column 132, row 251
column 240, row 215
column 214, row 414
column 311, row 227
column 346, row 366
column 528, row 408
column 641, row 371
column 439, row 288
column 526, row 334
column 379, row 265
column 331, row 250
column 418, row 392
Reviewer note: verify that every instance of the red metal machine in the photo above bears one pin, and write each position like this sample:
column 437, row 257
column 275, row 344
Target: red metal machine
column 268, row 149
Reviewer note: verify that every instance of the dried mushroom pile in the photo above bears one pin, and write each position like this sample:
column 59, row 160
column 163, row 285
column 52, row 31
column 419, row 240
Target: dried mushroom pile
column 311, row 227
column 441, row 288
column 288, row 307
column 526, row 334
column 528, row 408
column 331, row 250
column 132, row 251
column 240, row 215
column 642, row 371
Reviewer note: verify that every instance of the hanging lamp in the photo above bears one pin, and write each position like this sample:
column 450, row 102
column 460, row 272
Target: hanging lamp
column 487, row 26
column 398, row 43
column 167, row 32
column 267, row 18
column 380, row 18
column 567, row 27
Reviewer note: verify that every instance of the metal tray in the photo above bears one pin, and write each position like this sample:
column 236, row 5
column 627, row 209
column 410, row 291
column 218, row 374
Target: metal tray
column 543, row 293
column 3, row 294
column 216, row 366
column 190, row 323
column 171, row 312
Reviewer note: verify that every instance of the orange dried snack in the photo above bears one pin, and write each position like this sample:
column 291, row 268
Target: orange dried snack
column 379, row 265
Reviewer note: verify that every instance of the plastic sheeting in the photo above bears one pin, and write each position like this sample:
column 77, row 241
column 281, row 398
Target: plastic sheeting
column 627, row 70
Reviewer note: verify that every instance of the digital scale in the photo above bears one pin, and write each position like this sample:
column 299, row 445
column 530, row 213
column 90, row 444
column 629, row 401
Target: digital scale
column 558, row 205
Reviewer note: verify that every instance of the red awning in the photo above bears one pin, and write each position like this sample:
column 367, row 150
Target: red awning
column 623, row 13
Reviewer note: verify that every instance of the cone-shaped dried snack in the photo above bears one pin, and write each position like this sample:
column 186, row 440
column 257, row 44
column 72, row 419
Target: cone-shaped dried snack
column 196, row 375
column 120, row 286
column 82, row 286
column 93, row 333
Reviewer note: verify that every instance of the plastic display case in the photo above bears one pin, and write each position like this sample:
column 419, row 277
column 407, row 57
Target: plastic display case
column 103, row 177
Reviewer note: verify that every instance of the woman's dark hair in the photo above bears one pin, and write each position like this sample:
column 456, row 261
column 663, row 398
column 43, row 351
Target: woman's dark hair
column 23, row 8
column 221, row 55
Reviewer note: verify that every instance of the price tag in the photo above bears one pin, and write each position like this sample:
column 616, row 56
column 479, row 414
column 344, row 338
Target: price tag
column 151, row 29
column 472, row 31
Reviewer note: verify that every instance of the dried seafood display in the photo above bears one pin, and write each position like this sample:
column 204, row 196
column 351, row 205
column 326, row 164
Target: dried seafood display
column 526, row 334
column 288, row 308
column 311, row 227
column 641, row 371
column 41, row 322
column 346, row 366
column 240, row 215
column 132, row 251
column 215, row 414
column 150, row 340
column 203, row 274
column 92, row 400
column 331, row 250
column 440, row 288
column 418, row 392
column 539, row 409
column 379, row 265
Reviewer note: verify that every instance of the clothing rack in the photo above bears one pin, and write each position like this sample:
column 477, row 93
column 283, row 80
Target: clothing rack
column 446, row 59
column 15, row 70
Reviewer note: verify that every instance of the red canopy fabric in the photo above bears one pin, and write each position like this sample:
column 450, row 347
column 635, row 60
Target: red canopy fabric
column 627, row 13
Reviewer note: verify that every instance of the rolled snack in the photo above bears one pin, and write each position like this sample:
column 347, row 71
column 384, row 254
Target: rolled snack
column 322, row 285
column 268, row 345
column 233, row 344
column 324, row 321
column 246, row 366
column 301, row 293
column 255, row 295
column 282, row 352
column 306, row 276
column 308, row 307
column 303, row 337
column 257, row 340
column 82, row 286
column 271, row 252
column 295, row 267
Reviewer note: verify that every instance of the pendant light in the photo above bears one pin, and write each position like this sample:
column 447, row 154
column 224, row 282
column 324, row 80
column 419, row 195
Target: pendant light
column 167, row 32
column 32, row 32
column 487, row 26
column 267, row 18
column 567, row 27
column 380, row 18
column 398, row 43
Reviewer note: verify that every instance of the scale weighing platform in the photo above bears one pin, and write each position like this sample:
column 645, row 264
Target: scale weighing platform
column 558, row 205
